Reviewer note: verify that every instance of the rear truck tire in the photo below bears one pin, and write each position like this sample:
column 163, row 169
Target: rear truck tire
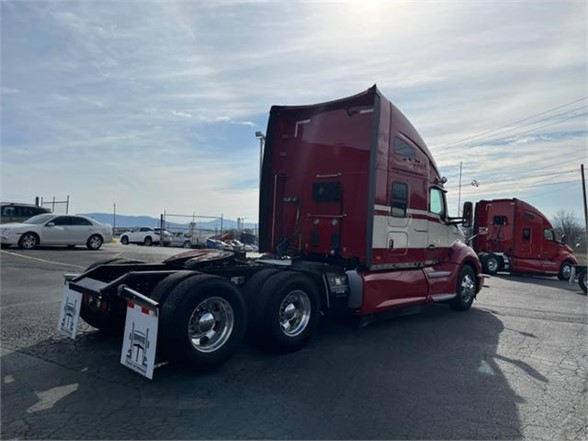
column 202, row 321
column 124, row 240
column 582, row 280
column 160, row 294
column 166, row 285
column 28, row 241
column 94, row 242
column 287, row 312
column 110, row 321
column 490, row 263
column 148, row 241
column 565, row 270
column 251, row 294
column 465, row 289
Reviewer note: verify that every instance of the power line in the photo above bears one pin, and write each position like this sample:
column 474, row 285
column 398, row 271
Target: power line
column 477, row 141
column 522, row 187
column 524, row 177
column 542, row 193
column 480, row 141
column 443, row 146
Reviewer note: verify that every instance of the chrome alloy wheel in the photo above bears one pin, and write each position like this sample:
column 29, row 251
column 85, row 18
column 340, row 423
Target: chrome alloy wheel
column 294, row 314
column 211, row 324
column 566, row 271
column 467, row 288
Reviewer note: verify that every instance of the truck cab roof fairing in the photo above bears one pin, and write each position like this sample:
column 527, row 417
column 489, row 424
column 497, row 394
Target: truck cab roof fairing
column 290, row 136
column 275, row 138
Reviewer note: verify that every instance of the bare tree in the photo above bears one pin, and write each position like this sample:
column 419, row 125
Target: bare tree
column 564, row 222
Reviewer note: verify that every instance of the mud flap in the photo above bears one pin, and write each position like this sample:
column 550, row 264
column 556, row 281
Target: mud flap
column 140, row 336
column 69, row 313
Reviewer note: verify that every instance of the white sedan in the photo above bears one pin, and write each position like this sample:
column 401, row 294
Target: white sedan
column 56, row 229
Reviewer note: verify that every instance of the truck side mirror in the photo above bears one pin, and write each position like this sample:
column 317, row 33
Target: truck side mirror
column 467, row 214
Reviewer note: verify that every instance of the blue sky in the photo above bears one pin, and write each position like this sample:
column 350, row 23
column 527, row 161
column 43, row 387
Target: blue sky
column 153, row 105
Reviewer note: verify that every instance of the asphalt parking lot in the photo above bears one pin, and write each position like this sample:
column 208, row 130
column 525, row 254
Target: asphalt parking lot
column 513, row 367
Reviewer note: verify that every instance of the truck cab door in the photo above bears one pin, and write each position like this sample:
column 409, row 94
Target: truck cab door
column 406, row 231
column 529, row 253
column 440, row 238
column 550, row 252
column 437, row 229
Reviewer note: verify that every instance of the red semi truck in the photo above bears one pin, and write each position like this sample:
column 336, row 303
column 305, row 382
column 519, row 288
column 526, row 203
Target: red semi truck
column 354, row 218
column 512, row 235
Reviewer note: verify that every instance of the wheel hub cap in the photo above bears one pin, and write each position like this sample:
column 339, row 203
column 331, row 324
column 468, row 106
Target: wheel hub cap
column 289, row 311
column 206, row 322
column 295, row 312
column 211, row 324
column 468, row 288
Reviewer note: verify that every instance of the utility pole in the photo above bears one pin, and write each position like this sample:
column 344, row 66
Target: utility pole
column 584, row 194
column 459, row 192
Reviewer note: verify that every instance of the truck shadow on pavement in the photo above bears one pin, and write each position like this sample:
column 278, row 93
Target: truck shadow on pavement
column 428, row 376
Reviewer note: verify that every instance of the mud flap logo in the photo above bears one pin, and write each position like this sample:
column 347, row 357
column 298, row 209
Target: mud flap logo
column 140, row 340
column 69, row 313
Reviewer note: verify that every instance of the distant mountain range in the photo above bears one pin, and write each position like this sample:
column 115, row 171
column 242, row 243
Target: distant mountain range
column 126, row 221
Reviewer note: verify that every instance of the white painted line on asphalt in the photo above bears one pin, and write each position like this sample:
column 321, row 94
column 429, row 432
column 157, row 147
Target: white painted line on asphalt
column 41, row 260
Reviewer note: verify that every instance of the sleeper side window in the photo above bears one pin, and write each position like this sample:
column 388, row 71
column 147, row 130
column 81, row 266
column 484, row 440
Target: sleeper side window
column 399, row 202
column 402, row 148
column 526, row 234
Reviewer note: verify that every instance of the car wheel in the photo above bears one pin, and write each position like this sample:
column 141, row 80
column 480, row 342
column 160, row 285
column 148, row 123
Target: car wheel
column 465, row 289
column 94, row 242
column 28, row 241
column 148, row 241
column 203, row 321
column 288, row 308
column 124, row 240
column 582, row 280
column 565, row 270
column 108, row 318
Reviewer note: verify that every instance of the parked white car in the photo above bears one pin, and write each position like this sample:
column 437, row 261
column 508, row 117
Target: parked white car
column 145, row 236
column 56, row 229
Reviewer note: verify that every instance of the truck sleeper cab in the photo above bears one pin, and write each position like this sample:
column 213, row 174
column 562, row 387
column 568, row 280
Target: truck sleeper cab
column 353, row 217
column 512, row 235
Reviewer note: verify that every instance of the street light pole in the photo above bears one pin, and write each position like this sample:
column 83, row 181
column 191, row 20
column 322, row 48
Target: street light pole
column 261, row 137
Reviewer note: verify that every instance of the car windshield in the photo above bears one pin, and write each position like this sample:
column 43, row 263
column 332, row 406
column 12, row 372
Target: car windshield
column 39, row 219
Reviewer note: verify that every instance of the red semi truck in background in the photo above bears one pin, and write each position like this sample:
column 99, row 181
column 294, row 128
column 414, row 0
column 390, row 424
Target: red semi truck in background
column 353, row 217
column 512, row 235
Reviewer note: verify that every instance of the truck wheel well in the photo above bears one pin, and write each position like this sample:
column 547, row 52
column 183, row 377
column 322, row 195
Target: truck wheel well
column 471, row 264
column 320, row 284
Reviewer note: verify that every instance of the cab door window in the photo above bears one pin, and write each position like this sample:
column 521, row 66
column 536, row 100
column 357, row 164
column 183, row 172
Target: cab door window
column 437, row 202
